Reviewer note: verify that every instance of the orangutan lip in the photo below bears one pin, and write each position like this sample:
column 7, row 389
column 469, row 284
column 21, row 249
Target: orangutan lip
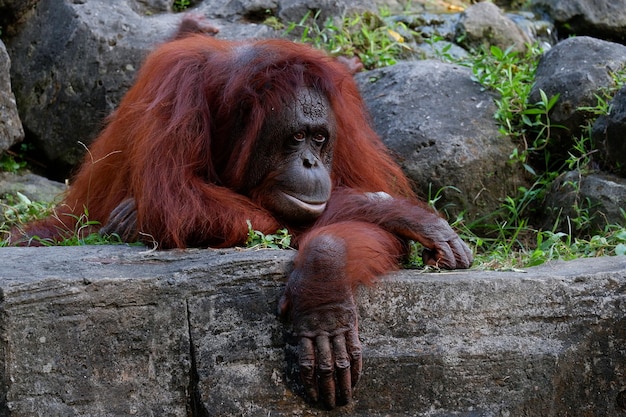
column 310, row 207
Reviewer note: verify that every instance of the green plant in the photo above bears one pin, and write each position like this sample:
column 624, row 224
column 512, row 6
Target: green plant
column 540, row 246
column 443, row 53
column 180, row 5
column 11, row 162
column 535, row 119
column 19, row 209
column 368, row 36
column 506, row 238
column 274, row 23
column 434, row 197
column 258, row 240
column 512, row 75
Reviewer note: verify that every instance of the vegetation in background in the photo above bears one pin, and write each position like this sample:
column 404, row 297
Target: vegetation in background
column 13, row 162
column 504, row 239
column 180, row 5
column 513, row 241
column 19, row 210
column 366, row 36
column 258, row 240
column 8, row 163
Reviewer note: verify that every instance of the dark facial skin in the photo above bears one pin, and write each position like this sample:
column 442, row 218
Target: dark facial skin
column 295, row 152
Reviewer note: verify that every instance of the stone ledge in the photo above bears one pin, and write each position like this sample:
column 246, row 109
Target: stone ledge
column 118, row 331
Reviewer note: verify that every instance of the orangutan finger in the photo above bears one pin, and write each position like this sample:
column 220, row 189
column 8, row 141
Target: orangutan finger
column 342, row 369
column 122, row 221
column 464, row 254
column 441, row 256
column 325, row 371
column 306, row 362
column 353, row 347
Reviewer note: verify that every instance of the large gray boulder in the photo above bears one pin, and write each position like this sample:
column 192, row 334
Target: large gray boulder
column 34, row 187
column 584, row 203
column 577, row 69
column 11, row 131
column 119, row 331
column 485, row 24
column 604, row 19
column 440, row 125
column 608, row 135
column 74, row 60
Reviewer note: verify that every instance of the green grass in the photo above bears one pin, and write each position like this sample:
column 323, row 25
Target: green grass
column 10, row 162
column 181, row 5
column 375, row 41
column 19, row 210
column 508, row 238
column 258, row 240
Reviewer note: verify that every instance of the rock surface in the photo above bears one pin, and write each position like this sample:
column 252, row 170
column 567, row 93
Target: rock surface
column 608, row 135
column 577, row 69
column 595, row 197
column 104, row 44
column 485, row 24
column 118, row 331
column 11, row 130
column 439, row 124
column 604, row 19
column 33, row 186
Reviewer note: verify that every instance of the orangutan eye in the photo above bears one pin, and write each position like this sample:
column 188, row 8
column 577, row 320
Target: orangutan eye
column 319, row 138
column 299, row 136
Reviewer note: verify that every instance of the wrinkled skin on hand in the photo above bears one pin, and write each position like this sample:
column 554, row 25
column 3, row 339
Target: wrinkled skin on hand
column 329, row 350
column 443, row 248
column 123, row 222
column 405, row 219
column 319, row 299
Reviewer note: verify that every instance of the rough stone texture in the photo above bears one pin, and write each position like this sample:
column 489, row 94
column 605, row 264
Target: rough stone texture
column 608, row 135
column 576, row 69
column 600, row 197
column 11, row 131
column 484, row 24
column 105, row 331
column 440, row 125
column 63, row 105
column 605, row 19
column 256, row 11
column 12, row 13
column 72, row 63
column 148, row 7
column 33, row 186
column 118, row 331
